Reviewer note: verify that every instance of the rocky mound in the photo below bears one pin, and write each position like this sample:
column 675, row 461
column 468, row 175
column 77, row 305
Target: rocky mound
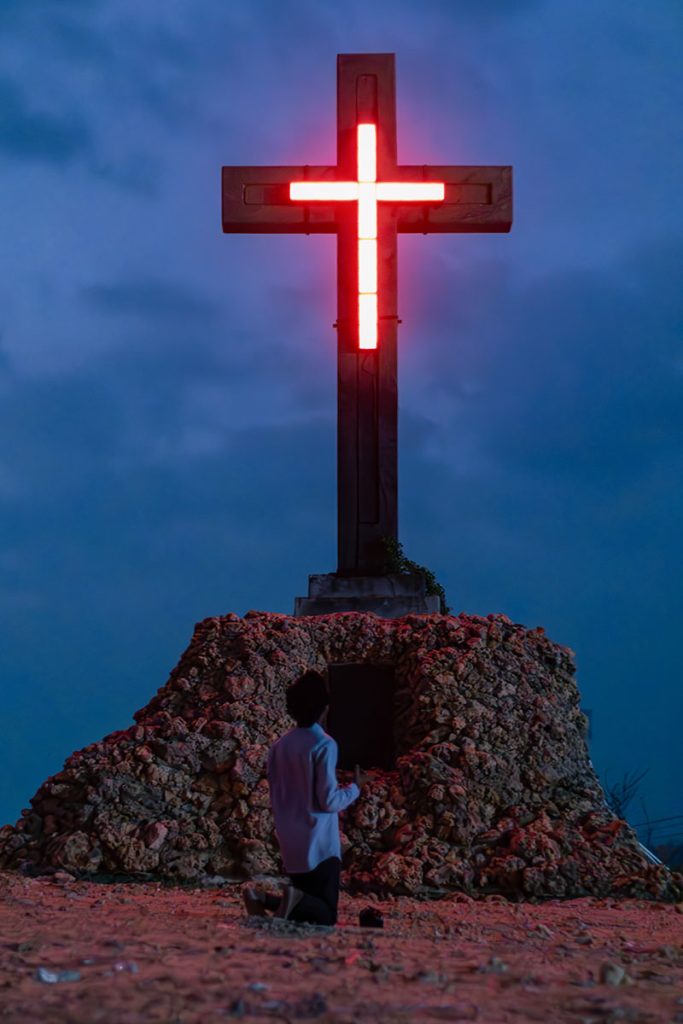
column 492, row 789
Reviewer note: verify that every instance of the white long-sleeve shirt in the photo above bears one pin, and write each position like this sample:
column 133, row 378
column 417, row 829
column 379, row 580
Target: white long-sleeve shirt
column 305, row 797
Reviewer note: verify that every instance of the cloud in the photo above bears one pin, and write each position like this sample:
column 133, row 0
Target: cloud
column 488, row 10
column 30, row 134
column 174, row 385
column 150, row 298
column 83, row 78
column 573, row 375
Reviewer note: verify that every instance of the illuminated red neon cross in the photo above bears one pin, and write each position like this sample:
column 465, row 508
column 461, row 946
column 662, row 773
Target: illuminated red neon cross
column 366, row 199
column 366, row 191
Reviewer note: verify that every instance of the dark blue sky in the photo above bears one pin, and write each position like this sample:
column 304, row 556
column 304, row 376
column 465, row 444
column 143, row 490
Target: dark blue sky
column 167, row 393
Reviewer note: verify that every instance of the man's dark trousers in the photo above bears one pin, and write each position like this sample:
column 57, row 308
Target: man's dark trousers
column 321, row 893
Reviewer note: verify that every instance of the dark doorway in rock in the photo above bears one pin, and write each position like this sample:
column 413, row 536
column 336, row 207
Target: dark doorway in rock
column 361, row 714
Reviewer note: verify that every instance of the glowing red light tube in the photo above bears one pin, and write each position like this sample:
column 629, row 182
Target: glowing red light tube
column 367, row 192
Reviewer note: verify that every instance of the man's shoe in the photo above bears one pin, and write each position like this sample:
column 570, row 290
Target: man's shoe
column 290, row 898
column 254, row 902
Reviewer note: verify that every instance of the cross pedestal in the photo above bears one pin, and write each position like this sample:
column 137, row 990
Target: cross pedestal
column 366, row 199
column 389, row 595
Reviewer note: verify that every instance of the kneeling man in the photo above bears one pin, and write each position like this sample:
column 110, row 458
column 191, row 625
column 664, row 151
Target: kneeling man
column 306, row 801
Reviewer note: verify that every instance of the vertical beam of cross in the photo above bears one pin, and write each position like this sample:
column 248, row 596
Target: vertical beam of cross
column 366, row 199
column 367, row 381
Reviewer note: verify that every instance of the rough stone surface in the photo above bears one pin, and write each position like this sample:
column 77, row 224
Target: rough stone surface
column 492, row 791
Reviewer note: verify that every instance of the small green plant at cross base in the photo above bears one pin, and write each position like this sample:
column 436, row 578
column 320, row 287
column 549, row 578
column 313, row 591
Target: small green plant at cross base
column 397, row 562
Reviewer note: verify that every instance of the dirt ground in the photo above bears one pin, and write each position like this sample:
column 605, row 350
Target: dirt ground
column 127, row 953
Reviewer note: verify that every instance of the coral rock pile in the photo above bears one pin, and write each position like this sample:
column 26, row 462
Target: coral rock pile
column 492, row 789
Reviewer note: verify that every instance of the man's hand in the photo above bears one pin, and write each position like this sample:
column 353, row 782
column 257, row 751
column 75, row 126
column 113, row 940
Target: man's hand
column 359, row 777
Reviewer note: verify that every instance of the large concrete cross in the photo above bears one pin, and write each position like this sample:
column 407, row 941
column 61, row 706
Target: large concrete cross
column 366, row 199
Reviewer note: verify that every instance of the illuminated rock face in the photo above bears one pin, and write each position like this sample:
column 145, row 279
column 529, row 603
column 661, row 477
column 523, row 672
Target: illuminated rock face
column 491, row 787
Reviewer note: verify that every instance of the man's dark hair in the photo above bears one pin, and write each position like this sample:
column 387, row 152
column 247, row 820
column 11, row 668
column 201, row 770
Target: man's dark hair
column 307, row 698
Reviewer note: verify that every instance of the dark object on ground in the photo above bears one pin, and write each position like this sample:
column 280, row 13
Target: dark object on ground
column 492, row 790
column 371, row 917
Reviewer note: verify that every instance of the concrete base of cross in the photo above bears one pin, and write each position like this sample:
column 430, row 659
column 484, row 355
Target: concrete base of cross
column 389, row 596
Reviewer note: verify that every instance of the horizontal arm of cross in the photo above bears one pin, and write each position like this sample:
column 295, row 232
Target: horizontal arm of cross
column 256, row 200
column 476, row 199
